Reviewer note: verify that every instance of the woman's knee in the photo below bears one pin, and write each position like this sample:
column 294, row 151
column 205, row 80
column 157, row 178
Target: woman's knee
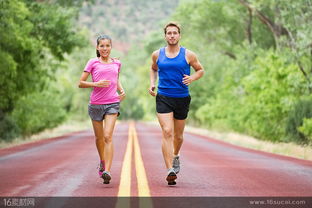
column 108, row 138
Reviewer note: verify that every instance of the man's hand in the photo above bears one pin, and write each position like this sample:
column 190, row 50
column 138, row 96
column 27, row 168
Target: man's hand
column 151, row 90
column 187, row 80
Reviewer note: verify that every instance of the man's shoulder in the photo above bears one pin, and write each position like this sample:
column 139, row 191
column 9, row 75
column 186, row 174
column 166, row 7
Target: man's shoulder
column 155, row 53
column 190, row 53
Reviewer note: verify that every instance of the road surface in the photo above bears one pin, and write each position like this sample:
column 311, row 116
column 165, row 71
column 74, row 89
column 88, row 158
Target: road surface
column 67, row 167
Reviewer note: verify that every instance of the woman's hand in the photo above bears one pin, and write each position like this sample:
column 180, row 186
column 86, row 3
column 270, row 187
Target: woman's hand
column 102, row 83
column 122, row 95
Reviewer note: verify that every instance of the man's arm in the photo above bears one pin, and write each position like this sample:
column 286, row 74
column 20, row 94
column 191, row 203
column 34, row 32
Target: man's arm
column 153, row 73
column 196, row 65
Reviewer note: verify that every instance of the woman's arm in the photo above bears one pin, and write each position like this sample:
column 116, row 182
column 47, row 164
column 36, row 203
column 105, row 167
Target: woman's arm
column 83, row 83
column 122, row 93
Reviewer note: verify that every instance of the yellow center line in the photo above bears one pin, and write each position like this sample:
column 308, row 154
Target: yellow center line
column 125, row 177
column 143, row 189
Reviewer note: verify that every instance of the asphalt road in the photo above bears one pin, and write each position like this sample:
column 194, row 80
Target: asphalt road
column 67, row 167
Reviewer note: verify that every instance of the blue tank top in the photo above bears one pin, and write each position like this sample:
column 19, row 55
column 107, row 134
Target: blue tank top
column 170, row 73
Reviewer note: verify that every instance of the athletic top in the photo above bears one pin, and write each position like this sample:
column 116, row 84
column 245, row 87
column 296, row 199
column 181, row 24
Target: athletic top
column 170, row 73
column 100, row 71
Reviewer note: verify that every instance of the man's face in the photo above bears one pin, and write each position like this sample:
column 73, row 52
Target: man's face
column 172, row 35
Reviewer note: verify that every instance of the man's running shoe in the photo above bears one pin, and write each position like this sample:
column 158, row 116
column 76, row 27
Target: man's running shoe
column 106, row 176
column 176, row 164
column 101, row 168
column 171, row 177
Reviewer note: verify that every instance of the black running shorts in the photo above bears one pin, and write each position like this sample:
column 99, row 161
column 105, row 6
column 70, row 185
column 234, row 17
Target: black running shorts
column 179, row 106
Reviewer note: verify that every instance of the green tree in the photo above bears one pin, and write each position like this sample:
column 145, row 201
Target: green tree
column 34, row 38
column 257, row 56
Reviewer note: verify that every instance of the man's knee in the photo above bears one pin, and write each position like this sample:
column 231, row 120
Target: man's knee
column 178, row 138
column 168, row 132
column 99, row 138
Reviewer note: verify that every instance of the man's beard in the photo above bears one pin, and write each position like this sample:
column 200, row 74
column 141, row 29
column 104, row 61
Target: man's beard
column 173, row 44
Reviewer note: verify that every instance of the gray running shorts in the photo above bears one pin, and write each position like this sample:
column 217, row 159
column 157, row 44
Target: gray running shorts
column 98, row 112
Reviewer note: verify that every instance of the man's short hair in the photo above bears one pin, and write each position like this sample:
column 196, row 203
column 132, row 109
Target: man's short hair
column 173, row 24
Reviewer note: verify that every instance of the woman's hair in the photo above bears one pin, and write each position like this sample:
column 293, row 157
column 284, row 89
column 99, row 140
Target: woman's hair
column 102, row 37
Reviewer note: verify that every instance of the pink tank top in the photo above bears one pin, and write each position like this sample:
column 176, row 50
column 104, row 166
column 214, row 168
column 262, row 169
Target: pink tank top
column 100, row 71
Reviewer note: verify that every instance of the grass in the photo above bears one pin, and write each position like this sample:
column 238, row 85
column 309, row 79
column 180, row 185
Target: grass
column 67, row 127
column 281, row 148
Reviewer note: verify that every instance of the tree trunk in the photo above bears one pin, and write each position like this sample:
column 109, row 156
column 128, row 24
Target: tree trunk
column 276, row 30
column 249, row 26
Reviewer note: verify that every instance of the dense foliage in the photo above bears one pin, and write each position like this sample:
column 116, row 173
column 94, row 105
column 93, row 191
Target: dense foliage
column 35, row 36
column 258, row 58
column 258, row 61
column 257, row 55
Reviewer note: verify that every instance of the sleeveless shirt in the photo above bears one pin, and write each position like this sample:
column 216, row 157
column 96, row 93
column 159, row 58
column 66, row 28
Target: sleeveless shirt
column 170, row 73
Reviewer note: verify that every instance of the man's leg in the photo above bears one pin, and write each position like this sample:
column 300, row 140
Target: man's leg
column 166, row 123
column 178, row 135
column 177, row 143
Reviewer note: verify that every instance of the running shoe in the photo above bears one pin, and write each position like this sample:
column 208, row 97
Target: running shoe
column 176, row 164
column 171, row 177
column 101, row 168
column 107, row 177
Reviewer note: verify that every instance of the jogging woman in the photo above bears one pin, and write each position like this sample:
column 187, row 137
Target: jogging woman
column 104, row 103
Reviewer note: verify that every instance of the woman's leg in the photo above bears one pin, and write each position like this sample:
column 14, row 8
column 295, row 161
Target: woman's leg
column 109, row 125
column 99, row 137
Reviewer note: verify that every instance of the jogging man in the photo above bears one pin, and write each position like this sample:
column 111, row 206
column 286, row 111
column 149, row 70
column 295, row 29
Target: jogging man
column 172, row 65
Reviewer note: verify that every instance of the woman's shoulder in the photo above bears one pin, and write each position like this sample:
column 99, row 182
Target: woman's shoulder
column 116, row 60
column 93, row 60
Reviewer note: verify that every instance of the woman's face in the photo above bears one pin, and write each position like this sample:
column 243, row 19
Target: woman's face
column 104, row 47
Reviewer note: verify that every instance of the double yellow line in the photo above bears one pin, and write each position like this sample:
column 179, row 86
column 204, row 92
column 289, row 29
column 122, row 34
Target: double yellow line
column 125, row 180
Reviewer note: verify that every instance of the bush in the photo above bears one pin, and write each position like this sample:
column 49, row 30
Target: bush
column 297, row 127
column 306, row 128
column 8, row 128
column 254, row 97
column 37, row 112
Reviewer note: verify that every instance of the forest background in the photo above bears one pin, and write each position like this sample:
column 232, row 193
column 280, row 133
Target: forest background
column 257, row 55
